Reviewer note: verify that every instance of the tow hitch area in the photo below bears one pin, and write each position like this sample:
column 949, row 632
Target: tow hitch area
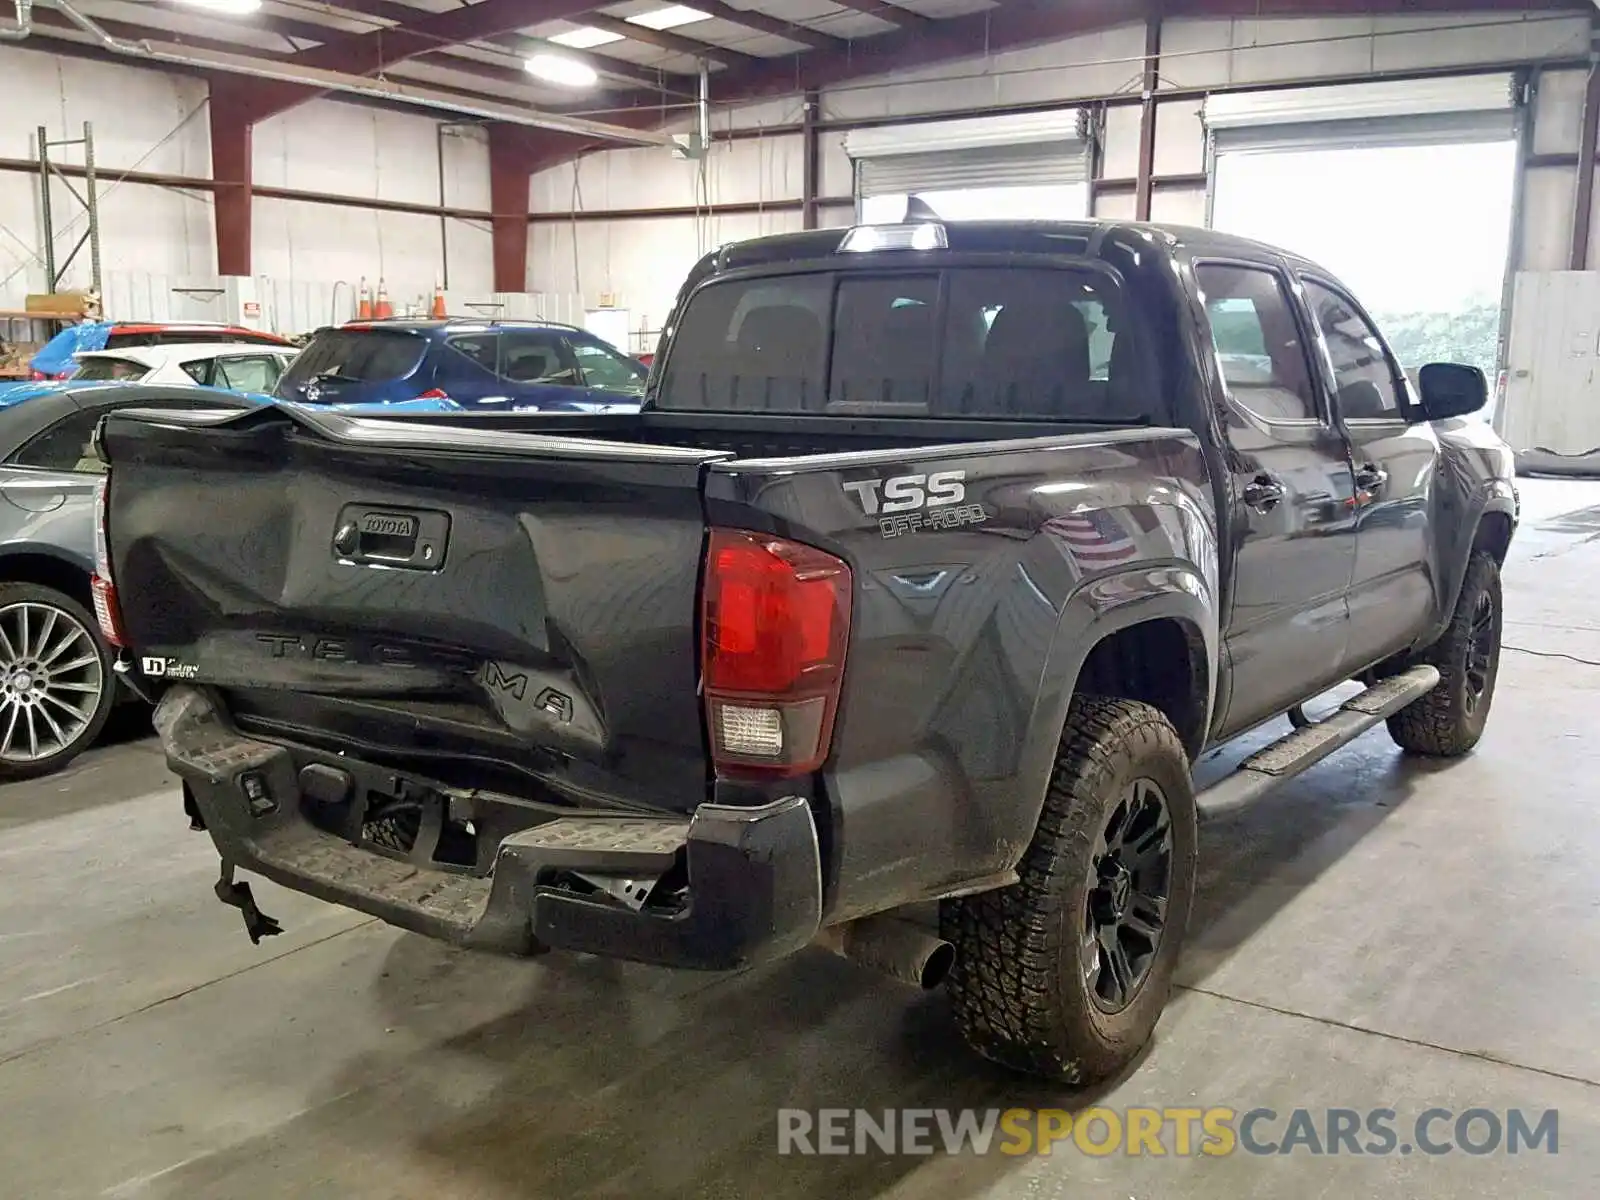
column 238, row 895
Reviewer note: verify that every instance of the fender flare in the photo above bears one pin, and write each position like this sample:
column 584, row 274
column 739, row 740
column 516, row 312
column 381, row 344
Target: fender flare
column 1497, row 498
column 1105, row 606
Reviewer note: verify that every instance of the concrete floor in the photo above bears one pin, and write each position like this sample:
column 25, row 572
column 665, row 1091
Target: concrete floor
column 1379, row 934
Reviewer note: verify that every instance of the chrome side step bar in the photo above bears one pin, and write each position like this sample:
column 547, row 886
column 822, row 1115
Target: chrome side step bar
column 1310, row 744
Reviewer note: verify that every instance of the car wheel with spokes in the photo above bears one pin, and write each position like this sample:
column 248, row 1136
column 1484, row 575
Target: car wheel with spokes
column 1450, row 720
column 56, row 684
column 1065, row 973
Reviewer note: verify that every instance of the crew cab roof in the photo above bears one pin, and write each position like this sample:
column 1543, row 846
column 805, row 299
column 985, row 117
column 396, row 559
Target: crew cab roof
column 1074, row 238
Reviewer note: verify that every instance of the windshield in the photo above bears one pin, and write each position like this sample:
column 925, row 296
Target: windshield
column 356, row 356
column 976, row 342
column 93, row 370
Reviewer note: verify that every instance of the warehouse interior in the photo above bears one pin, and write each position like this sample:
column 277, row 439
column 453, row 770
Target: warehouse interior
column 1382, row 933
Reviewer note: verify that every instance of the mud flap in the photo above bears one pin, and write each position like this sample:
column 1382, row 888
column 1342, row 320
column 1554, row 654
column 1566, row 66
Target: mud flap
column 256, row 923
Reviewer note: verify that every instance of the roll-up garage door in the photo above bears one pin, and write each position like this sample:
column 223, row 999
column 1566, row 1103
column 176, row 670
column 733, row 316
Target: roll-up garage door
column 1045, row 154
column 1417, row 113
column 1402, row 189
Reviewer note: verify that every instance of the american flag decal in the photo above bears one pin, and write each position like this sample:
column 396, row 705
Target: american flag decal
column 1092, row 539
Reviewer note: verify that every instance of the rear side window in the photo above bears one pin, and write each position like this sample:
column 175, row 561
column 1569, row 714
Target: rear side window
column 357, row 356
column 65, row 446
column 752, row 346
column 92, row 370
column 1258, row 342
column 1019, row 343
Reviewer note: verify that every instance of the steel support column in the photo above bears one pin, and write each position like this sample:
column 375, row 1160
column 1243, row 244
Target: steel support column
column 1147, row 116
column 510, row 165
column 1583, row 209
column 231, row 168
column 810, row 159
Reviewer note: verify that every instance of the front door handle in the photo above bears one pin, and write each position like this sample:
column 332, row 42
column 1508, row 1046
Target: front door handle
column 1370, row 477
column 1264, row 493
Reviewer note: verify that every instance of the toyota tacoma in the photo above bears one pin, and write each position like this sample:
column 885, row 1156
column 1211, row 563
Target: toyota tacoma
column 936, row 555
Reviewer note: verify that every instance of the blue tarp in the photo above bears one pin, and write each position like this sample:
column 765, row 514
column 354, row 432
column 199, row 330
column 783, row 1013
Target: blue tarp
column 55, row 356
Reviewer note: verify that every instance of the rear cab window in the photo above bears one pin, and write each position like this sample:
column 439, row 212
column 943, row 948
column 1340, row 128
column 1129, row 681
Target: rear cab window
column 357, row 356
column 1017, row 343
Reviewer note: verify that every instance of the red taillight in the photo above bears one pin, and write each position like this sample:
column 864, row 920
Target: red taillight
column 106, row 609
column 434, row 394
column 775, row 624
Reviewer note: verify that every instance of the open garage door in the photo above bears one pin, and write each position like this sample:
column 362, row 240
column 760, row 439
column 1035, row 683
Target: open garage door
column 1404, row 190
column 1028, row 166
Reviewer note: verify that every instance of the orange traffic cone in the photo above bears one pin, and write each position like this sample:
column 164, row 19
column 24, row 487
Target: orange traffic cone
column 364, row 303
column 438, row 312
column 382, row 310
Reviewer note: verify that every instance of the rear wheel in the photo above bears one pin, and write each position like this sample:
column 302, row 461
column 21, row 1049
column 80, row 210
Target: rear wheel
column 1450, row 719
column 1064, row 974
column 56, row 685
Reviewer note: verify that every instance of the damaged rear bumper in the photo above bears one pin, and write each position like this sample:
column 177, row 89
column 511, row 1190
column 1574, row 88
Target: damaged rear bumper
column 754, row 889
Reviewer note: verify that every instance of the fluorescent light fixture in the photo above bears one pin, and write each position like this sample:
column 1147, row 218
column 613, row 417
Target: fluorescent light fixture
column 584, row 38
column 233, row 8
column 669, row 17
column 558, row 68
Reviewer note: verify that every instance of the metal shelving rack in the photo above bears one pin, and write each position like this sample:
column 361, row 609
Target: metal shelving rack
column 87, row 199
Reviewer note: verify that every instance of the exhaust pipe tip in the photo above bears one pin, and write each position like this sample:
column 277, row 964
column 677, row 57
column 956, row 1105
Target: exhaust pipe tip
column 892, row 947
column 937, row 967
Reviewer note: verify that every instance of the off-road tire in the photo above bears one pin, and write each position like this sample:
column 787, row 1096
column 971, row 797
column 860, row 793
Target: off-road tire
column 1017, row 988
column 1444, row 723
column 68, row 609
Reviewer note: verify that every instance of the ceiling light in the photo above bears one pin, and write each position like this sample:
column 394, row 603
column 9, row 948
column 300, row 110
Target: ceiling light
column 668, row 18
column 585, row 38
column 233, row 8
column 558, row 68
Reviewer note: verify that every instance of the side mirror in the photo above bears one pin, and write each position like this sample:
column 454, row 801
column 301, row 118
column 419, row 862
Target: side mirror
column 1451, row 390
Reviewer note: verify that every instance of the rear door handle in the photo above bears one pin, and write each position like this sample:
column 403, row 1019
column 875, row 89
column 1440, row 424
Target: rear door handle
column 1264, row 493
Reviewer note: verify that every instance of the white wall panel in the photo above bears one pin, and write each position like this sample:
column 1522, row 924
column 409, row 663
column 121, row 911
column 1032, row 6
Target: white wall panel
column 1180, row 138
column 1547, row 199
column 835, row 171
column 746, row 171
column 1179, row 206
column 1116, row 206
column 1558, row 112
column 349, row 150
column 138, row 114
column 1119, row 152
column 639, row 262
column 1096, row 64
column 300, row 241
column 1208, row 53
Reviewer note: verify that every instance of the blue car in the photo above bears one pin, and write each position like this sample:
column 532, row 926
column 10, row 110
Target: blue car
column 490, row 366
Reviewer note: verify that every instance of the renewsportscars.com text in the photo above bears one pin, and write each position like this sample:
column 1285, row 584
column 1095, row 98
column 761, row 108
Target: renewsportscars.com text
column 1180, row 1132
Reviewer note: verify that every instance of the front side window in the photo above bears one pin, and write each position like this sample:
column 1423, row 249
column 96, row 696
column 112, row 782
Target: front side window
column 1258, row 342
column 1364, row 378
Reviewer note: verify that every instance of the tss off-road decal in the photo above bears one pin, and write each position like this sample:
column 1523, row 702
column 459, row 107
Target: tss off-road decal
column 925, row 500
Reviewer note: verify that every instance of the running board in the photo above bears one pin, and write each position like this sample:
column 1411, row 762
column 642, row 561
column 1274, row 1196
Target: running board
column 1307, row 746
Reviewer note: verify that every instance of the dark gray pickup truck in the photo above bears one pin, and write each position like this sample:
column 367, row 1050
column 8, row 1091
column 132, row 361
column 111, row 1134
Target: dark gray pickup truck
column 935, row 557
